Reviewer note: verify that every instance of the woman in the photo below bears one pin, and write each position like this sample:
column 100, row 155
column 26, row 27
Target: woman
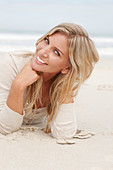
column 40, row 87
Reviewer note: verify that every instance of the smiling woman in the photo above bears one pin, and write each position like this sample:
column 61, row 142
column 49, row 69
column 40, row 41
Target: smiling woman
column 51, row 55
column 39, row 88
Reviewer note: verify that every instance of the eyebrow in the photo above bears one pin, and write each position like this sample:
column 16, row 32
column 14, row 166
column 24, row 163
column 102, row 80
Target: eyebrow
column 56, row 47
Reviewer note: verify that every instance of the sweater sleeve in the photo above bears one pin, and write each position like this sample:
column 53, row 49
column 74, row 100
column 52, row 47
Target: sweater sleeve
column 64, row 127
column 9, row 120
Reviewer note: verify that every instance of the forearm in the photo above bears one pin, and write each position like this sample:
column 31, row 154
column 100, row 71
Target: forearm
column 65, row 125
column 16, row 97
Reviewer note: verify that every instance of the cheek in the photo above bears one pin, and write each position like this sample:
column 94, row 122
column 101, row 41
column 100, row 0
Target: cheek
column 38, row 47
column 56, row 63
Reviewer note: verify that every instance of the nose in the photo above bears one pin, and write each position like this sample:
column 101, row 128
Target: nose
column 45, row 52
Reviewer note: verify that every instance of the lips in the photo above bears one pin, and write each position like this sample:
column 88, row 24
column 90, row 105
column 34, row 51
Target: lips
column 40, row 61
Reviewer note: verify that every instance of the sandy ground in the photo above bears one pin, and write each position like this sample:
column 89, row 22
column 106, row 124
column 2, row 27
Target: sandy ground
column 32, row 149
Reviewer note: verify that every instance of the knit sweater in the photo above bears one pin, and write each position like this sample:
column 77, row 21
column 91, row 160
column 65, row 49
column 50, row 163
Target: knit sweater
column 63, row 127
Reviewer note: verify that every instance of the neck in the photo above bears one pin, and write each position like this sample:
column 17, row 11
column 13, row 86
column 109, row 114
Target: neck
column 48, row 77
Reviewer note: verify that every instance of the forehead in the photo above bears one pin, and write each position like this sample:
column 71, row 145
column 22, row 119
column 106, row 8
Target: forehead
column 60, row 41
column 58, row 38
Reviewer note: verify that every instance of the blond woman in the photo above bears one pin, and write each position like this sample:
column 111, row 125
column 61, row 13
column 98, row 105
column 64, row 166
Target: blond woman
column 39, row 88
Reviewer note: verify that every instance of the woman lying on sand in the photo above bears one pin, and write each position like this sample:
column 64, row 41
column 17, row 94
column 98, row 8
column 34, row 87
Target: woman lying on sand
column 39, row 88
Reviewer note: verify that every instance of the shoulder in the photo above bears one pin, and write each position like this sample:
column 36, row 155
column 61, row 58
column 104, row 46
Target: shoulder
column 5, row 61
column 4, row 56
column 10, row 66
column 20, row 58
column 17, row 57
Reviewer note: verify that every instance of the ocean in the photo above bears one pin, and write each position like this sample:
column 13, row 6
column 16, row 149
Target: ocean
column 26, row 41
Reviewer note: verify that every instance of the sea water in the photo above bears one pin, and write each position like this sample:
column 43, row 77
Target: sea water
column 11, row 41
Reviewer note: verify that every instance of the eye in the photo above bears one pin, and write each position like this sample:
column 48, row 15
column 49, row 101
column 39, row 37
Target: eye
column 47, row 40
column 56, row 52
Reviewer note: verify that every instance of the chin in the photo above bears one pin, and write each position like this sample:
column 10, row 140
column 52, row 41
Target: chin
column 34, row 66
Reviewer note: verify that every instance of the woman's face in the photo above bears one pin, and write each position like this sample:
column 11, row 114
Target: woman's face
column 52, row 55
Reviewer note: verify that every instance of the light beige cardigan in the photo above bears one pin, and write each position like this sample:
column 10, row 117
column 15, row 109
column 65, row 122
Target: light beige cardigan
column 64, row 127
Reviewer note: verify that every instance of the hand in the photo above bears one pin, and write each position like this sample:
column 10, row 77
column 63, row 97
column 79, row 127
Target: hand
column 26, row 76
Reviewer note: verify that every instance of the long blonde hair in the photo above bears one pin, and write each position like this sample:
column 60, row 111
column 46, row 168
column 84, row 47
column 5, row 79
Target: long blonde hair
column 82, row 57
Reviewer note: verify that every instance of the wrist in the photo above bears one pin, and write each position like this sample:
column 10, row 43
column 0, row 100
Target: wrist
column 17, row 85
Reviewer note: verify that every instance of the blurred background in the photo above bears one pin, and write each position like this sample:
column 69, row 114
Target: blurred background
column 22, row 22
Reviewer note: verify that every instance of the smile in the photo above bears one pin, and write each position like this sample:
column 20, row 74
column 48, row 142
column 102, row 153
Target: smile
column 40, row 61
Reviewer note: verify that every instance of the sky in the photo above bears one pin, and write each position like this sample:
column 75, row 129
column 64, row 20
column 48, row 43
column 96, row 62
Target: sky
column 41, row 15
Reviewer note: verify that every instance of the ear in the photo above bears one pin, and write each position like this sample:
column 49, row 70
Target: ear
column 65, row 70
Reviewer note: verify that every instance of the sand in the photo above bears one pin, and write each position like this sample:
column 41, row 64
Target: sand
column 31, row 149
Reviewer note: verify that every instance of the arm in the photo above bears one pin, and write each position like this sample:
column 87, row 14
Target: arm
column 64, row 126
column 9, row 119
column 25, row 77
column 12, row 86
column 15, row 98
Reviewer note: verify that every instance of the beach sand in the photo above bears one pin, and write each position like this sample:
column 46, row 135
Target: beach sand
column 31, row 149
